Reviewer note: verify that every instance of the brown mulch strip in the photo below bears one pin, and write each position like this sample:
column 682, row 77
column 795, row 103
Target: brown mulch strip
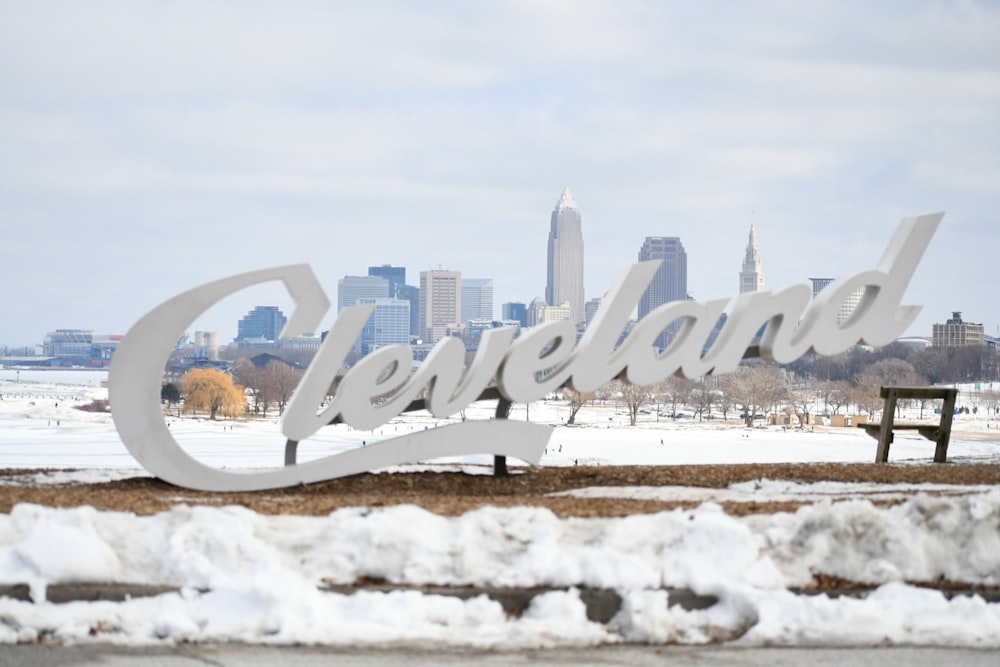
column 453, row 493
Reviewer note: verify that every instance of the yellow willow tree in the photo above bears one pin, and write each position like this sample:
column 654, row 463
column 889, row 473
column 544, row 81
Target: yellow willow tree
column 212, row 391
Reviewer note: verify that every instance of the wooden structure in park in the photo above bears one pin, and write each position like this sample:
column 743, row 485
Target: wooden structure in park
column 940, row 434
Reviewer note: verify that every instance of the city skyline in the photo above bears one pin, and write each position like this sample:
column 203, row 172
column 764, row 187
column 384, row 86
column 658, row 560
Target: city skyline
column 133, row 170
column 443, row 302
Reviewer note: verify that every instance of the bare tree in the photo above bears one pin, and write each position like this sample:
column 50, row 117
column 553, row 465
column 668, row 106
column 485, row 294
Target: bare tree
column 634, row 397
column 576, row 400
column 250, row 378
column 280, row 381
column 865, row 395
column 836, row 393
column 802, row 400
column 724, row 385
column 703, row 396
column 753, row 388
column 675, row 391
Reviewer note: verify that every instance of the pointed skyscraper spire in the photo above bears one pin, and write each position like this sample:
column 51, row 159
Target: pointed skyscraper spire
column 565, row 200
column 752, row 275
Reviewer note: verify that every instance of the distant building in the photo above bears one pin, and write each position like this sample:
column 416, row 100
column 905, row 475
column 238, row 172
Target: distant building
column 68, row 343
column 104, row 346
column 352, row 288
column 564, row 283
column 440, row 304
column 78, row 347
column 819, row 284
column 848, row 305
column 474, row 330
column 302, row 343
column 477, row 299
column 206, row 345
column 669, row 283
column 539, row 312
column 591, row 307
column 752, row 275
column 411, row 294
column 515, row 311
column 396, row 275
column 389, row 324
column 263, row 323
column 913, row 343
column 957, row 333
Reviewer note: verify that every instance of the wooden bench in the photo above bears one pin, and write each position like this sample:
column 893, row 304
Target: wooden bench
column 940, row 434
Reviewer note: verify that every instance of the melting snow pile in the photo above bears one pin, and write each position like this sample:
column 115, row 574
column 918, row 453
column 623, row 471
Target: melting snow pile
column 250, row 577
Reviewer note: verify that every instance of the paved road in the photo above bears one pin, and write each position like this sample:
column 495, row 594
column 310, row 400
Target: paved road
column 676, row 656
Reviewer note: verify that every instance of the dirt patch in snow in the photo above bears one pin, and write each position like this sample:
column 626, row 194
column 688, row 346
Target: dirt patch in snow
column 453, row 493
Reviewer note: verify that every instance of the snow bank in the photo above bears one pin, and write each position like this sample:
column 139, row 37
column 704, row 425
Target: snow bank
column 260, row 575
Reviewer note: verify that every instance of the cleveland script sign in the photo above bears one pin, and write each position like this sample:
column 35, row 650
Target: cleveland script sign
column 542, row 359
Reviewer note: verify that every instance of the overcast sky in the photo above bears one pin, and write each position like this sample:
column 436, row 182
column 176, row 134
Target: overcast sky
column 146, row 148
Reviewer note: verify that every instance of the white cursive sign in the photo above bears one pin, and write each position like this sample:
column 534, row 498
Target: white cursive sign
column 542, row 359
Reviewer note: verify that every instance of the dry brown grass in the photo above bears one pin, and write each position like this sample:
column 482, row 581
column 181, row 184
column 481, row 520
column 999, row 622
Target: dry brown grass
column 453, row 493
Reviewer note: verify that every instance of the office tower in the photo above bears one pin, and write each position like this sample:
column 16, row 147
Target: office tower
column 396, row 275
column 474, row 329
column 565, row 261
column 389, row 324
column 819, row 284
column 440, row 303
column 398, row 289
column 515, row 312
column 752, row 275
column 848, row 305
column 669, row 283
column 262, row 323
column 477, row 299
column 411, row 293
column 540, row 312
column 591, row 307
column 352, row 288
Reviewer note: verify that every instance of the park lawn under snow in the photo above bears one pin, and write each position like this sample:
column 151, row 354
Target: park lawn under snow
column 249, row 577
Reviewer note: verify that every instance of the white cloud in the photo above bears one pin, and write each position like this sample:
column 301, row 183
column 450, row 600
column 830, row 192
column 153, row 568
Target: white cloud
column 426, row 135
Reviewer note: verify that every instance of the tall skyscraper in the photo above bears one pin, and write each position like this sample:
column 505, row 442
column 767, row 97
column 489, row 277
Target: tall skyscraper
column 752, row 275
column 352, row 288
column 565, row 263
column 396, row 275
column 670, row 281
column 411, row 293
column 261, row 323
column 440, row 303
column 477, row 299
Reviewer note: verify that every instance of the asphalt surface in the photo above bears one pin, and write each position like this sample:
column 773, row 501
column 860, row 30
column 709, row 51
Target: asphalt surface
column 237, row 655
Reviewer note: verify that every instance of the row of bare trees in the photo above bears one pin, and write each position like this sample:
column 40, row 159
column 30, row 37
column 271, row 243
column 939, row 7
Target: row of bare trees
column 268, row 386
column 758, row 388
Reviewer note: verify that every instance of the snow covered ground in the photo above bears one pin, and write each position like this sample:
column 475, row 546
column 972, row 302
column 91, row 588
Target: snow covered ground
column 254, row 578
